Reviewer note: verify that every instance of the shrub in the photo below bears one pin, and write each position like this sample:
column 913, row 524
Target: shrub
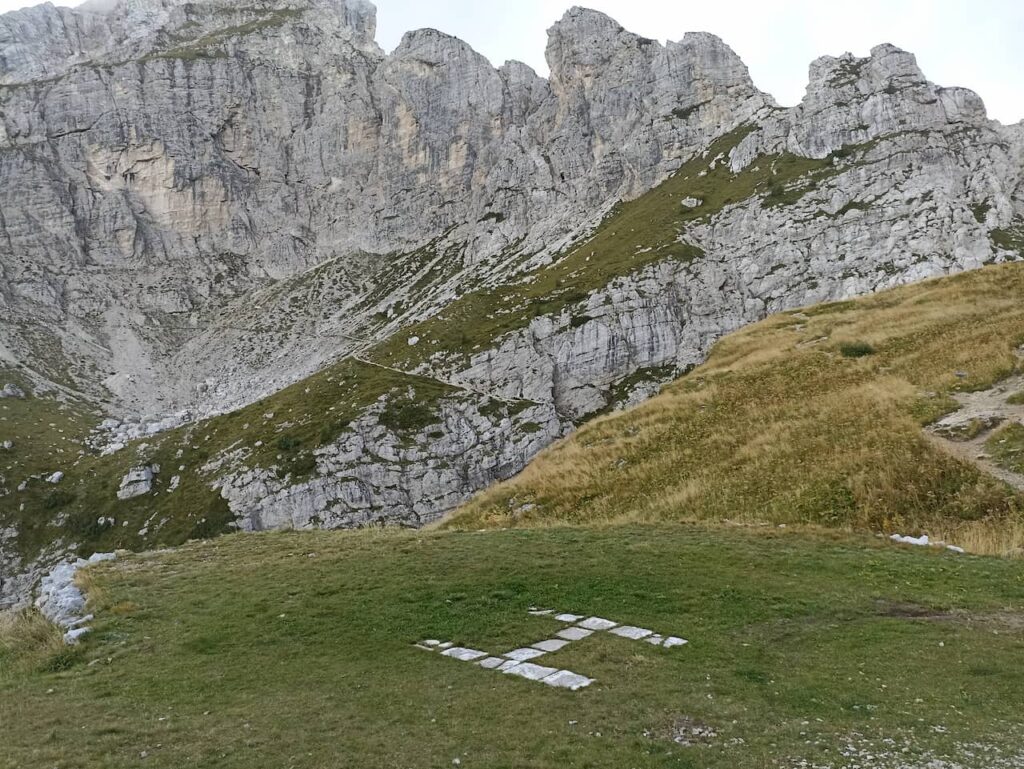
column 288, row 443
column 856, row 349
column 406, row 414
column 58, row 499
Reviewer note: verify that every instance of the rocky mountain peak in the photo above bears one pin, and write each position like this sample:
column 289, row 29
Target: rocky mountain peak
column 47, row 41
column 851, row 100
column 585, row 42
column 434, row 47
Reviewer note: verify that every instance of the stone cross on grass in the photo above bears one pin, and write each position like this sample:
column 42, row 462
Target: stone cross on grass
column 519, row 662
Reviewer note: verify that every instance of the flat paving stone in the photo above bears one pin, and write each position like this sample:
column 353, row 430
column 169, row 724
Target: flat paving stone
column 530, row 671
column 568, row 617
column 574, row 633
column 598, row 623
column 566, row 679
column 550, row 646
column 445, row 645
column 541, row 612
column 466, row 655
column 633, row 633
column 672, row 641
column 655, row 640
column 492, row 662
column 432, row 642
column 522, row 655
column 507, row 665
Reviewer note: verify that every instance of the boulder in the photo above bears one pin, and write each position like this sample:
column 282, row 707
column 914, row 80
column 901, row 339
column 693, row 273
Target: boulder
column 138, row 481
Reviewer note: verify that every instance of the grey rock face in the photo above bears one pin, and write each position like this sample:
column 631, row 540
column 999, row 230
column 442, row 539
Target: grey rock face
column 373, row 475
column 11, row 391
column 185, row 154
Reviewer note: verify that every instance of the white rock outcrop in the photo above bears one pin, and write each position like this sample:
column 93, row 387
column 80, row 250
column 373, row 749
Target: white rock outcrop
column 11, row 391
column 136, row 482
column 60, row 600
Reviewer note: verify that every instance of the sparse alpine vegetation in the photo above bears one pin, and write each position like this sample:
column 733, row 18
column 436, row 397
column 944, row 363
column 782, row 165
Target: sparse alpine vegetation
column 810, row 418
column 636, row 233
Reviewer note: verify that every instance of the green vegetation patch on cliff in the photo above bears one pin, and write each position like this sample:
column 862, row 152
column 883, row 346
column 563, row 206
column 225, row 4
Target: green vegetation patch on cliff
column 634, row 235
column 791, row 654
column 210, row 45
column 280, row 432
column 1010, row 239
column 780, row 427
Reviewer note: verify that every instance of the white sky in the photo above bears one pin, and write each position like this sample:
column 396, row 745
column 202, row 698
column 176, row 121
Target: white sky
column 972, row 43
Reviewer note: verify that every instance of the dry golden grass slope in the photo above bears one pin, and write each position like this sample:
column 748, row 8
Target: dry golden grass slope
column 811, row 418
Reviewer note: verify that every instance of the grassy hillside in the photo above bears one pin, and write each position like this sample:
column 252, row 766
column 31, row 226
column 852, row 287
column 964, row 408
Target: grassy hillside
column 281, row 432
column 83, row 509
column 809, row 417
column 295, row 650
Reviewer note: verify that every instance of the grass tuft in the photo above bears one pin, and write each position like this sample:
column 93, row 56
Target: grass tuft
column 856, row 349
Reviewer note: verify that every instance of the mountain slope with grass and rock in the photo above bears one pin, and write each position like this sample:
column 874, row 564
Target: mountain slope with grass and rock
column 255, row 273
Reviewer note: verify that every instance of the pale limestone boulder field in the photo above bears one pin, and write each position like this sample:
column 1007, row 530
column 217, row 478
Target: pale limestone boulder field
column 237, row 195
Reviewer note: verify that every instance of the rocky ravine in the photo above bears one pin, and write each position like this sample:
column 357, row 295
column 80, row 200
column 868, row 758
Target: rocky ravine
column 235, row 197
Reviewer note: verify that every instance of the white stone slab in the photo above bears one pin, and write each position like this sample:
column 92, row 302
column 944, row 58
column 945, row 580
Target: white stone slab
column 633, row 633
column 550, row 646
column 672, row 641
column 522, row 655
column 655, row 640
column 445, row 645
column 507, row 665
column 530, row 671
column 574, row 633
column 566, row 679
column 466, row 655
column 541, row 612
column 432, row 642
column 597, row 623
column 568, row 617
column 492, row 662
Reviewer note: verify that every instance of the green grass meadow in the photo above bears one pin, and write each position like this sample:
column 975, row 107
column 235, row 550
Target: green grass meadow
column 296, row 650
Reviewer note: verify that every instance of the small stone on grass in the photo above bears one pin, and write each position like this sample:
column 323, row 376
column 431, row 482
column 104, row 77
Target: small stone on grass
column 568, row 617
column 566, row 679
column 466, row 655
column 521, row 655
column 633, row 633
column 550, row 646
column 574, row 633
column 530, row 671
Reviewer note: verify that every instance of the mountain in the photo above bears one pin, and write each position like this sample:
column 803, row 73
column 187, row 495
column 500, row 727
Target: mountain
column 255, row 273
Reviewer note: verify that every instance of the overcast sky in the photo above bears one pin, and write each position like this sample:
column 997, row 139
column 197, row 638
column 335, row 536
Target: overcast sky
column 972, row 43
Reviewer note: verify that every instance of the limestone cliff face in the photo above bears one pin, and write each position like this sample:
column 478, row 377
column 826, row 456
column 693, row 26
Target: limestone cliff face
column 183, row 154
column 204, row 202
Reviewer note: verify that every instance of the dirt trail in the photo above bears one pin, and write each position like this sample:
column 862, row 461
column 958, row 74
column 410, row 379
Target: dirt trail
column 990, row 409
